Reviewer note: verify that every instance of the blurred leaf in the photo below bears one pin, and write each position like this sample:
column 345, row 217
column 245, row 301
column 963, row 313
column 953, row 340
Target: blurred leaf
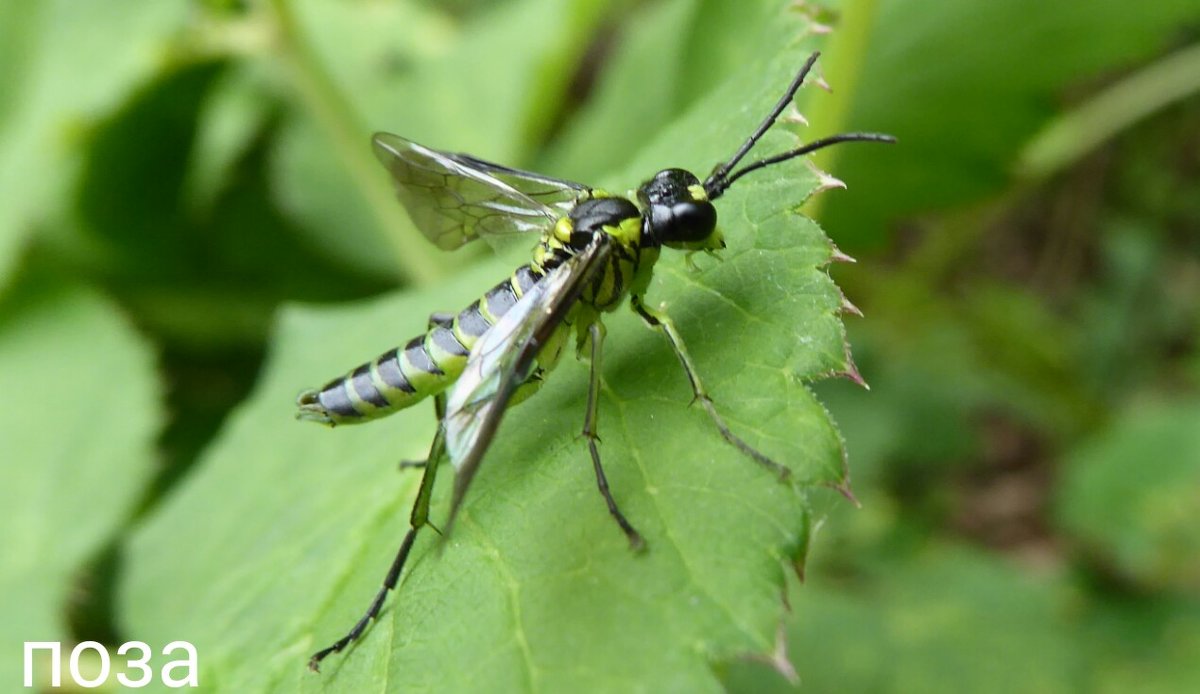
column 1028, row 358
column 600, row 138
column 131, row 183
column 1132, row 494
column 945, row 621
column 488, row 87
column 940, row 363
column 1144, row 644
column 537, row 589
column 327, row 206
column 233, row 114
column 1067, row 139
column 1132, row 313
column 966, row 86
column 665, row 56
column 200, row 276
column 78, row 424
column 65, row 64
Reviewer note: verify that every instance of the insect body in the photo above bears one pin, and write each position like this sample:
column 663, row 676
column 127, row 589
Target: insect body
column 595, row 250
column 429, row 363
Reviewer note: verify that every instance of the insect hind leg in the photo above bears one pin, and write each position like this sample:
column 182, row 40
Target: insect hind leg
column 664, row 324
column 418, row 519
column 596, row 333
column 438, row 447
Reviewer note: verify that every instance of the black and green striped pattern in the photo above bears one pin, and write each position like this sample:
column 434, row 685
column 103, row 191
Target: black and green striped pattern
column 426, row 365
column 430, row 363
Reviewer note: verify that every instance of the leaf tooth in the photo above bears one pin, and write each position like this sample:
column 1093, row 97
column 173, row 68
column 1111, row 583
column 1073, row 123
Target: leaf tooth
column 844, row 489
column 779, row 660
column 793, row 115
column 814, row 27
column 825, row 180
column 850, row 372
column 837, row 256
column 849, row 307
column 799, row 567
column 799, row 557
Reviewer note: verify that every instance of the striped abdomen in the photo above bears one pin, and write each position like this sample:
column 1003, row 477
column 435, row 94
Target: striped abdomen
column 425, row 366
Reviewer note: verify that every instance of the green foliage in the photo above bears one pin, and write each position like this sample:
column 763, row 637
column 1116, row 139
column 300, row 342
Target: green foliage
column 918, row 629
column 965, row 87
column 537, row 588
column 45, row 107
column 1139, row 518
column 1027, row 265
column 78, row 420
column 667, row 56
column 412, row 70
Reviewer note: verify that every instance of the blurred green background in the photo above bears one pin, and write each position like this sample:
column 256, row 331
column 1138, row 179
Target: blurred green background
column 1028, row 455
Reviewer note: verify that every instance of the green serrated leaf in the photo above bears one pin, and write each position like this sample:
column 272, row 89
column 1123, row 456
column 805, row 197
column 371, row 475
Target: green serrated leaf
column 537, row 588
column 77, row 426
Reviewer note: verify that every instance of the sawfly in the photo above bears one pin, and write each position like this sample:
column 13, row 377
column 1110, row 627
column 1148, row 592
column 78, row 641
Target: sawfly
column 594, row 250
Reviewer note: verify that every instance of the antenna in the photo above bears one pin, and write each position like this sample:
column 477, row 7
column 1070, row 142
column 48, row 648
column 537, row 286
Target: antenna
column 720, row 179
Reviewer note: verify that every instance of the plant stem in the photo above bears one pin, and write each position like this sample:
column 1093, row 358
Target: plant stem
column 415, row 260
column 1069, row 137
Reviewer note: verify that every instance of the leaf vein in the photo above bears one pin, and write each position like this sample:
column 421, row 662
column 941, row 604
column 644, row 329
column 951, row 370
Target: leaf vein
column 712, row 597
column 514, row 595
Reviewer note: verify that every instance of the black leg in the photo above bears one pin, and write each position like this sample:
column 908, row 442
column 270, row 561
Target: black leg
column 389, row 582
column 596, row 331
column 664, row 323
column 419, row 518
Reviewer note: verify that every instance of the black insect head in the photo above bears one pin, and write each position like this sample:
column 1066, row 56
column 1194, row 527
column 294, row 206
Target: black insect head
column 679, row 210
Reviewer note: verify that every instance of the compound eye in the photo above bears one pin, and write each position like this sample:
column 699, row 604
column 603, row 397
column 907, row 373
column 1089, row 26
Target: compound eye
column 693, row 221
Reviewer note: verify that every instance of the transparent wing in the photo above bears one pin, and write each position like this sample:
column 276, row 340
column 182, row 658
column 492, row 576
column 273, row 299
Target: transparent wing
column 456, row 198
column 504, row 357
column 557, row 193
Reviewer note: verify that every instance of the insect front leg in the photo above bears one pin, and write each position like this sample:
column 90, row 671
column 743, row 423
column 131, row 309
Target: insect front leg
column 596, row 333
column 445, row 320
column 663, row 322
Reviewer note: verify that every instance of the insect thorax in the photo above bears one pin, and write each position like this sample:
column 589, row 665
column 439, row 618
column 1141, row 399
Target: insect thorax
column 630, row 262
